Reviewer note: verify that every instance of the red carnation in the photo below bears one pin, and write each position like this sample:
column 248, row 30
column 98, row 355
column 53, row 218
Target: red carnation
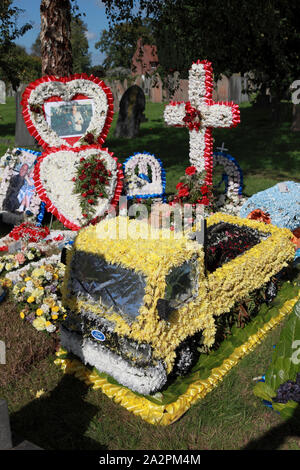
column 205, row 201
column 179, row 185
column 74, row 179
column 190, row 170
column 89, row 138
column 204, row 190
column 183, row 192
column 93, row 182
column 90, row 191
column 85, row 186
column 82, row 159
column 84, row 194
column 82, row 177
column 91, row 201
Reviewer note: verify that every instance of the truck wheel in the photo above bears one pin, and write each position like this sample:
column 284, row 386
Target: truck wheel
column 187, row 355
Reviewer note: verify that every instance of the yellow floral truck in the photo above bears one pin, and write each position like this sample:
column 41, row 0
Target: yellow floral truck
column 141, row 300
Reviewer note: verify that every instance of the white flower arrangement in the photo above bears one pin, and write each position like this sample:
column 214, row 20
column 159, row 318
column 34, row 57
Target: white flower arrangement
column 38, row 92
column 144, row 176
column 200, row 115
column 56, row 170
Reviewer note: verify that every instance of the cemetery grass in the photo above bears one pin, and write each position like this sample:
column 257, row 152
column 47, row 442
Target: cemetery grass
column 57, row 411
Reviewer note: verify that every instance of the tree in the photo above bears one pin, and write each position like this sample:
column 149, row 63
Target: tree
column 9, row 31
column 120, row 41
column 56, row 50
column 261, row 37
column 79, row 45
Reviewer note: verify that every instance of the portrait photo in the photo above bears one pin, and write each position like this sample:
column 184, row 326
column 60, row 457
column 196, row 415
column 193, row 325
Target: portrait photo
column 69, row 119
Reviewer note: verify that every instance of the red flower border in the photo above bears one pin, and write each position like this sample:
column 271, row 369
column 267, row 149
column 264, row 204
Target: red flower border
column 51, row 78
column 44, row 197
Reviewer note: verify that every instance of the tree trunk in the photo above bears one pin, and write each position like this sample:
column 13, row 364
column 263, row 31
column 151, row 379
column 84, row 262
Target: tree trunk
column 56, row 49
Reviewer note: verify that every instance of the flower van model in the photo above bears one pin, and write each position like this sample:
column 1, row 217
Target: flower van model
column 139, row 305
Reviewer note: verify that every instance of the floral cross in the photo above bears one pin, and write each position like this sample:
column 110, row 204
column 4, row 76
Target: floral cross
column 200, row 114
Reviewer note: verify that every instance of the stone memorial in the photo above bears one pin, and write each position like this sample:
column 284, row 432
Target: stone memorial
column 2, row 92
column 22, row 135
column 131, row 113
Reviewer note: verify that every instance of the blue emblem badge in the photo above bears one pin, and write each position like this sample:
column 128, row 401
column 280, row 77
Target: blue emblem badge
column 98, row 335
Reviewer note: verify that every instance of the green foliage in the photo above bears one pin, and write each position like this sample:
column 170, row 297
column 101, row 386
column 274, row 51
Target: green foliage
column 80, row 46
column 257, row 37
column 285, row 365
column 9, row 31
column 119, row 43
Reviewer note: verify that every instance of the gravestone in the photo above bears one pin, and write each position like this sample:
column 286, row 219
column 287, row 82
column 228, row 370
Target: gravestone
column 156, row 89
column 22, row 136
column 5, row 433
column 236, row 86
column 131, row 112
column 2, row 92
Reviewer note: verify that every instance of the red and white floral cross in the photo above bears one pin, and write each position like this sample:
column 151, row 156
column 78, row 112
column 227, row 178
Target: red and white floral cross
column 200, row 114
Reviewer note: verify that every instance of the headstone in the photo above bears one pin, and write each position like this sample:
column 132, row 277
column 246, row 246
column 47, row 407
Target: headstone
column 236, row 86
column 131, row 112
column 2, row 92
column 221, row 91
column 22, row 136
column 156, row 89
column 182, row 91
column 5, row 432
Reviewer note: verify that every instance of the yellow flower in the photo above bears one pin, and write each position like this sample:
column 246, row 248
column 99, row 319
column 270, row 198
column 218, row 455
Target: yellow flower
column 48, row 323
column 55, row 309
column 39, row 393
column 54, row 316
column 22, row 289
column 22, row 315
column 39, row 323
column 30, row 299
column 39, row 312
column 27, row 279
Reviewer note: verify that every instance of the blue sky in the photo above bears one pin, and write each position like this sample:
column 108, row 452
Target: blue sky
column 95, row 20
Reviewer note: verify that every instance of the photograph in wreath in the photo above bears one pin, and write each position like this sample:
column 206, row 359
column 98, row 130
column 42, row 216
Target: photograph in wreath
column 69, row 119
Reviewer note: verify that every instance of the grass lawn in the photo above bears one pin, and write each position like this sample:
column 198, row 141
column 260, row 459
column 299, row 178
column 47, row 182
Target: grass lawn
column 57, row 411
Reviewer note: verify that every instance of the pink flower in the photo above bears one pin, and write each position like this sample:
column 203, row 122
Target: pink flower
column 20, row 258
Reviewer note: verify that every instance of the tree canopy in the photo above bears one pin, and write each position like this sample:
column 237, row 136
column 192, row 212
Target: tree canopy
column 9, row 32
column 119, row 43
column 257, row 37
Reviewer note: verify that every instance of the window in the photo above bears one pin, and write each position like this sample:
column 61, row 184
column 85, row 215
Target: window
column 120, row 288
column 181, row 284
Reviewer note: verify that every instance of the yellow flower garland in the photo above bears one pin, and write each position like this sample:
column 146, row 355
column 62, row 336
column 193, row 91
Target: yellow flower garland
column 165, row 415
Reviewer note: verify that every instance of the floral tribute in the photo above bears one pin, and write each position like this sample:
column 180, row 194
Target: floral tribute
column 29, row 232
column 174, row 299
column 12, row 262
column 16, row 168
column 61, row 180
column 39, row 298
column 200, row 115
column 145, row 176
column 281, row 202
column 75, row 87
column 192, row 190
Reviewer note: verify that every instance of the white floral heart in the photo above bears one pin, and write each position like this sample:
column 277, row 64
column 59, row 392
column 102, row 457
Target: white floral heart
column 53, row 179
column 67, row 89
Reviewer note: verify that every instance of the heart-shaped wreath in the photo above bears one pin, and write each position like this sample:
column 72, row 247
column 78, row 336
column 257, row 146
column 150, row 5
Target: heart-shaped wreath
column 48, row 105
column 79, row 185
